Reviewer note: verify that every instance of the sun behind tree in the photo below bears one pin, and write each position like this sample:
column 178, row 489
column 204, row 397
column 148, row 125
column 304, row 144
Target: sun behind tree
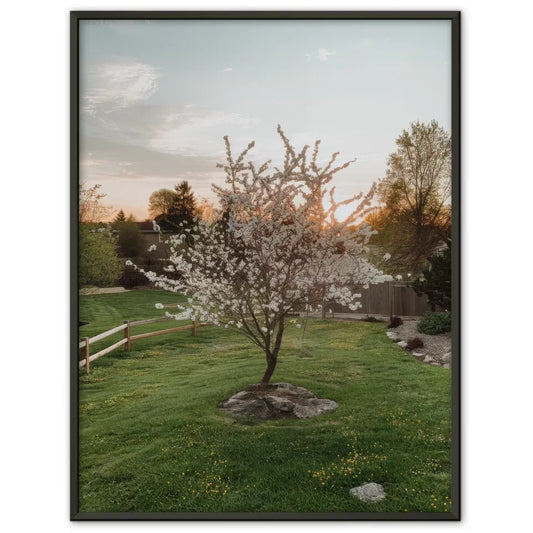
column 275, row 251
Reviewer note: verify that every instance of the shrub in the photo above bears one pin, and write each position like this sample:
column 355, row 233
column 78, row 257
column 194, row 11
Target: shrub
column 99, row 264
column 435, row 323
column 437, row 284
column 395, row 321
column 371, row 319
column 414, row 343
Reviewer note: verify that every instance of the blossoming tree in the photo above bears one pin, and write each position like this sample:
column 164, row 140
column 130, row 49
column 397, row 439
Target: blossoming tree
column 278, row 248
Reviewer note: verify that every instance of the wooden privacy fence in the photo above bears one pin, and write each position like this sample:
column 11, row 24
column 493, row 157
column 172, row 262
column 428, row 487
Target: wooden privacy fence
column 85, row 344
column 382, row 299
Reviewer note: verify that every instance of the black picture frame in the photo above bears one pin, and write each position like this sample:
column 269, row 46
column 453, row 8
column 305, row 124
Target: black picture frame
column 455, row 18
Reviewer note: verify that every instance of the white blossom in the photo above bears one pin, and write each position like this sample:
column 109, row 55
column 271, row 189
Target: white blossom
column 277, row 250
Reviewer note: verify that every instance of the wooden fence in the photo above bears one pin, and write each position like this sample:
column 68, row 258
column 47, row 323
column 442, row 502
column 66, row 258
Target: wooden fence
column 393, row 297
column 85, row 344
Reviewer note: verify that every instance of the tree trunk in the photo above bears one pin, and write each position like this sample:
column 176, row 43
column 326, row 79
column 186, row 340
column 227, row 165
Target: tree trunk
column 272, row 356
column 271, row 366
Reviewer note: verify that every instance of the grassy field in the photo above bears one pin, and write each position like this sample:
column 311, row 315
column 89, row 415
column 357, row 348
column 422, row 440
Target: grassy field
column 152, row 438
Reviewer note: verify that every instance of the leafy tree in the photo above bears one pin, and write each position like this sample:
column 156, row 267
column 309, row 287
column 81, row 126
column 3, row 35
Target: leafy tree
column 415, row 194
column 435, row 281
column 98, row 260
column 276, row 251
column 161, row 202
column 206, row 210
column 91, row 209
column 170, row 208
column 129, row 236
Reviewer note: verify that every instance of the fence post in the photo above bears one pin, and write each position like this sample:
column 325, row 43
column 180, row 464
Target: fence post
column 87, row 352
column 127, row 335
column 194, row 328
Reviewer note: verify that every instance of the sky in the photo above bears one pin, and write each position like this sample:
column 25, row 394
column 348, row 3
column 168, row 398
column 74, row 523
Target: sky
column 157, row 97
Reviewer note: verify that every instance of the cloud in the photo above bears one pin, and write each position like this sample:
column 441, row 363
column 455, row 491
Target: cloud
column 111, row 86
column 198, row 131
column 323, row 54
column 228, row 69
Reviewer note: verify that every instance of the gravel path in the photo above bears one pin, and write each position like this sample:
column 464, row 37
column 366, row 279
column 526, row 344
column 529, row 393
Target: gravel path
column 102, row 290
column 437, row 348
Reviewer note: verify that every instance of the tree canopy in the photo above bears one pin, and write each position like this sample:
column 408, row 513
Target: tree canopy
column 169, row 208
column 275, row 250
column 415, row 216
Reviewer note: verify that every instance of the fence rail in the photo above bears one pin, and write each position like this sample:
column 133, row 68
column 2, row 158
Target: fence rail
column 85, row 344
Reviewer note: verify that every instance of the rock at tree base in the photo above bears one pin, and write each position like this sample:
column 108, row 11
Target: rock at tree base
column 369, row 492
column 275, row 401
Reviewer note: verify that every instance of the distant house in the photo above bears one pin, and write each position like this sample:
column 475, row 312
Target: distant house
column 148, row 234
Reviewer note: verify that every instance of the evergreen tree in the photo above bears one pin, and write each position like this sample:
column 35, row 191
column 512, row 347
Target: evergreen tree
column 436, row 281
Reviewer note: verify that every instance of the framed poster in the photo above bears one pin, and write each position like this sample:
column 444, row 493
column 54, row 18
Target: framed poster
column 265, row 254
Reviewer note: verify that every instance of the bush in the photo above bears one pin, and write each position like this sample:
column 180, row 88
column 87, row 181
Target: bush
column 395, row 321
column 435, row 323
column 99, row 264
column 414, row 343
column 371, row 319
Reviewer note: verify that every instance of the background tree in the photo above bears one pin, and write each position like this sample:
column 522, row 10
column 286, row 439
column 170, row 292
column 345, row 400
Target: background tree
column 206, row 210
column 129, row 236
column 435, row 281
column 91, row 209
column 170, row 208
column 415, row 195
column 161, row 202
column 120, row 217
column 277, row 246
column 184, row 207
column 99, row 264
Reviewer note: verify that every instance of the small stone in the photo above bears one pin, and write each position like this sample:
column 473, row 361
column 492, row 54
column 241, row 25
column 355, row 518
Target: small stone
column 281, row 404
column 393, row 336
column 447, row 357
column 429, row 359
column 419, row 355
column 402, row 344
column 315, row 407
column 369, row 492
column 243, row 395
column 447, row 365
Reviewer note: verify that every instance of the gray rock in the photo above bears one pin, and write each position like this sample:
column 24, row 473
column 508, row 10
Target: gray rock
column 278, row 400
column 402, row 344
column 393, row 336
column 243, row 395
column 447, row 365
column 419, row 355
column 429, row 359
column 315, row 407
column 447, row 357
column 282, row 404
column 369, row 492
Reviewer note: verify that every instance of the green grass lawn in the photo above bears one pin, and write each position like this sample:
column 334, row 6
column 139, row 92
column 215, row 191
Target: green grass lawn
column 152, row 438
